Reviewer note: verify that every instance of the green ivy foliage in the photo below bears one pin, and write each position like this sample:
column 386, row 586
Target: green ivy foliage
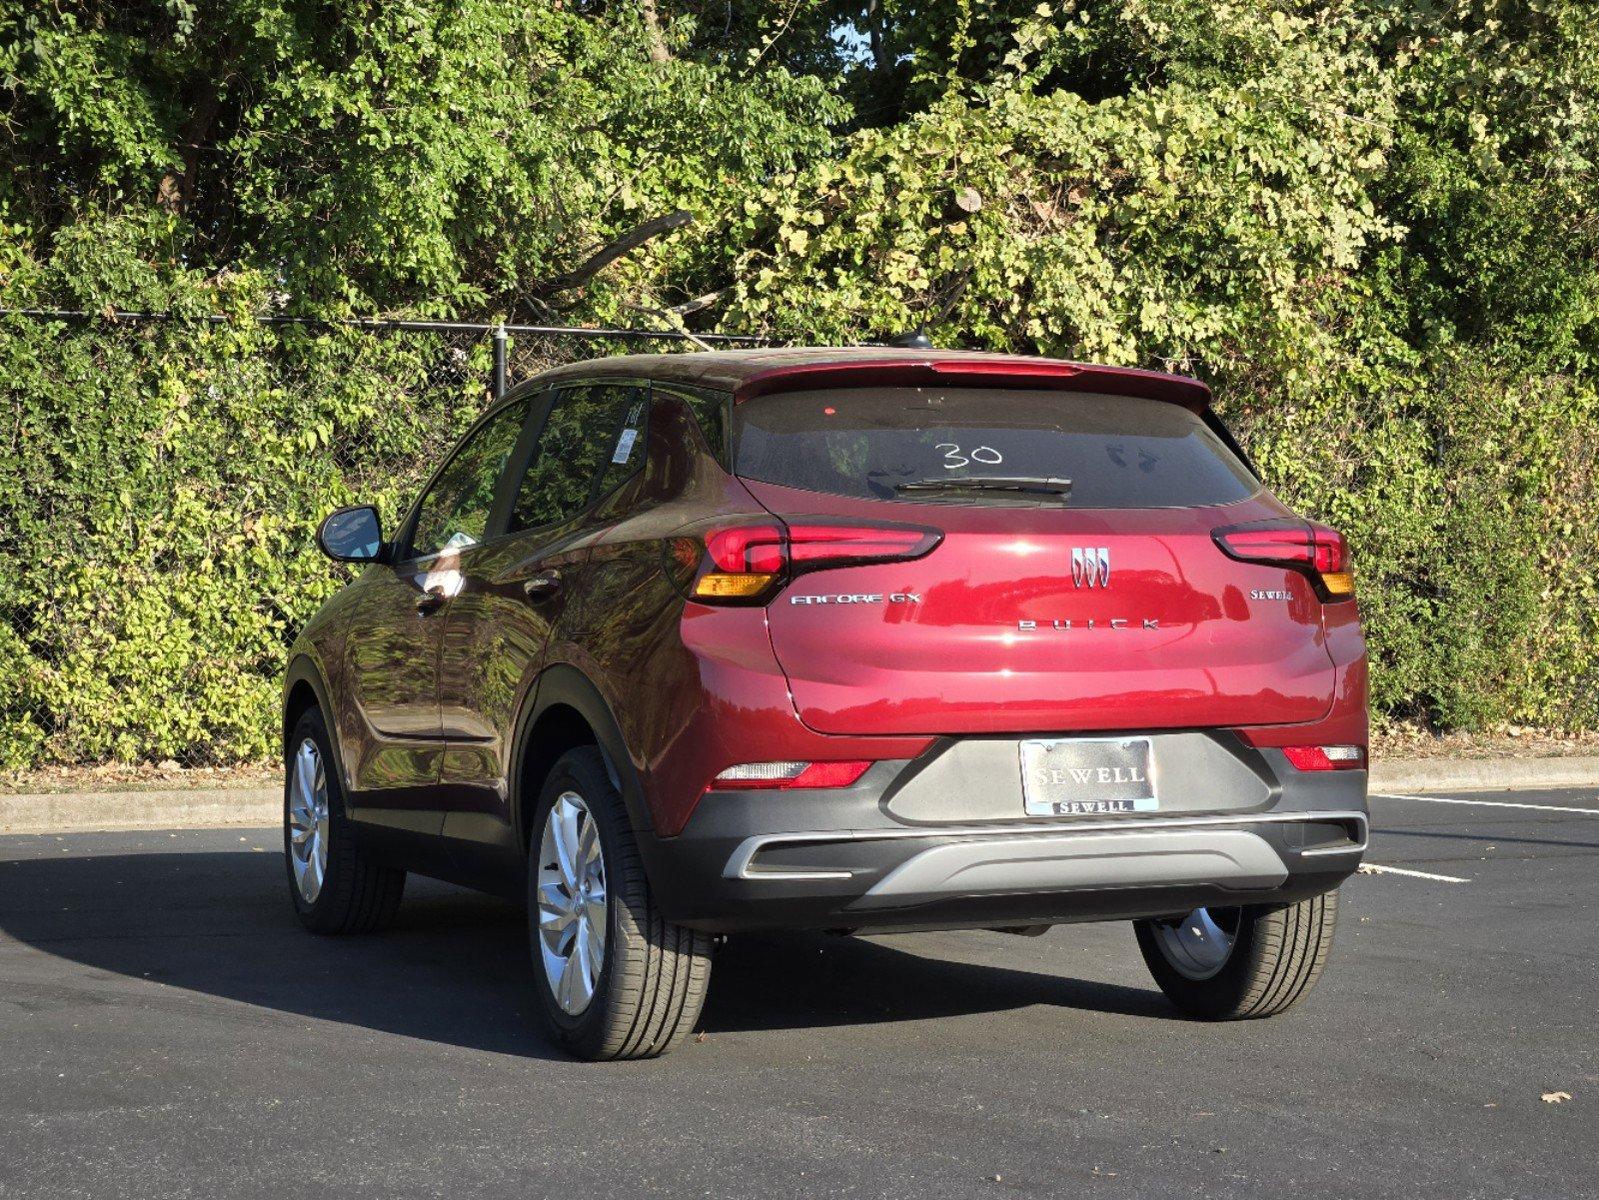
column 158, row 491
column 1370, row 225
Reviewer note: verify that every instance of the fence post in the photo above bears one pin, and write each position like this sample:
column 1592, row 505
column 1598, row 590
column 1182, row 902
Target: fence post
column 499, row 360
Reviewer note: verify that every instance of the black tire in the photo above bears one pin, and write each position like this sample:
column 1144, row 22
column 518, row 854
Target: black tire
column 1277, row 955
column 357, row 893
column 651, row 984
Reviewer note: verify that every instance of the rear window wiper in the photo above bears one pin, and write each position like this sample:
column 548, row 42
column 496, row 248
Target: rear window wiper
column 1038, row 485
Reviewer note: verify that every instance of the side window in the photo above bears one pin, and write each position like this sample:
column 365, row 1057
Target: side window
column 710, row 410
column 593, row 437
column 455, row 511
column 627, row 443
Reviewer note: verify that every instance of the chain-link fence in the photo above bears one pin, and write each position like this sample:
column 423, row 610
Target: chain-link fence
column 162, row 480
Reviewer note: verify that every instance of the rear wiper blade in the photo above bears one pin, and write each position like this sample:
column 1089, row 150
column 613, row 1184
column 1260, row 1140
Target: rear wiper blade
column 1040, row 485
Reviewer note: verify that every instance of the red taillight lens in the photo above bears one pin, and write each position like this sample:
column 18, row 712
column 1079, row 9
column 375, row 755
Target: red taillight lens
column 1313, row 550
column 1330, row 551
column 746, row 563
column 812, row 546
column 751, row 548
column 789, row 775
column 1326, row 758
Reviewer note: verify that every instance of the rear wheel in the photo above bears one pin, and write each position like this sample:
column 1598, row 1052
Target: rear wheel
column 336, row 886
column 1238, row 962
column 617, row 980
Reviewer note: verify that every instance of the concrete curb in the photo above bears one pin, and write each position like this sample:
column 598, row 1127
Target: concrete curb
column 1483, row 774
column 179, row 808
column 203, row 808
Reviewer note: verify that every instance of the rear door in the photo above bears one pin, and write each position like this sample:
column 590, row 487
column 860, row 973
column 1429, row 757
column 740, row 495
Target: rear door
column 1107, row 608
column 519, row 586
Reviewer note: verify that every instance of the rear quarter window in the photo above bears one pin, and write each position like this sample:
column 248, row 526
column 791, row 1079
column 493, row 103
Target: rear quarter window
column 1118, row 451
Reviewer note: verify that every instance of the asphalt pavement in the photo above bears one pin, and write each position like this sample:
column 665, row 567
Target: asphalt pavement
column 167, row 1029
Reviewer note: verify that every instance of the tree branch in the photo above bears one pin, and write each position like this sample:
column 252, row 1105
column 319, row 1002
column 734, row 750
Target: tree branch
column 673, row 322
column 699, row 302
column 606, row 255
column 175, row 193
column 773, row 39
column 652, row 29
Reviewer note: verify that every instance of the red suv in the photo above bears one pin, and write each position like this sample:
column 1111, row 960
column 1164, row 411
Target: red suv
column 686, row 645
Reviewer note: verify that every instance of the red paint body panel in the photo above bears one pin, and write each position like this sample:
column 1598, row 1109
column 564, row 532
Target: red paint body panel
column 732, row 705
column 956, row 659
column 1347, row 722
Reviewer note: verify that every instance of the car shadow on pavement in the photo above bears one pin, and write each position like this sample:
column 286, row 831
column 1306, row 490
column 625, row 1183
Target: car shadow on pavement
column 806, row 980
column 455, row 967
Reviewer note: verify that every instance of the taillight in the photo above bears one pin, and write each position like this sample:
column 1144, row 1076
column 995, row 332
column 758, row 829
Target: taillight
column 1312, row 550
column 743, row 563
column 790, row 775
column 747, row 563
column 1326, row 758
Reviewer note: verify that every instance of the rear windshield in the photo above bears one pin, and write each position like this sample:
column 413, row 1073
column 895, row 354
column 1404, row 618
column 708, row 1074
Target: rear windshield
column 1117, row 451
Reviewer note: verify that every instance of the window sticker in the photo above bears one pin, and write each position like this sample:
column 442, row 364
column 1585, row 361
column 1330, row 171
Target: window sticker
column 624, row 446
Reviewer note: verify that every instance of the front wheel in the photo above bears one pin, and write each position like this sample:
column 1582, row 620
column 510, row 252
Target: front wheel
column 1239, row 962
column 337, row 887
column 617, row 979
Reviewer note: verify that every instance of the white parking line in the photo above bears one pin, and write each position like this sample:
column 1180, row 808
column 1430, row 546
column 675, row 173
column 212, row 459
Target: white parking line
column 1368, row 868
column 1587, row 812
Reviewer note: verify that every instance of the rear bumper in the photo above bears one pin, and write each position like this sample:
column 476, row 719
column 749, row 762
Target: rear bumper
column 850, row 858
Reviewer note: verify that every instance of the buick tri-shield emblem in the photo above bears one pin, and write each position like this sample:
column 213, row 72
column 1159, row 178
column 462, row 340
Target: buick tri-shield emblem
column 1090, row 566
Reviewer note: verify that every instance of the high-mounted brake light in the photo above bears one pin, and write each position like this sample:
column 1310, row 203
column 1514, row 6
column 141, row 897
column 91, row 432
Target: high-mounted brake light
column 747, row 562
column 1326, row 758
column 790, row 775
column 1313, row 550
column 1005, row 366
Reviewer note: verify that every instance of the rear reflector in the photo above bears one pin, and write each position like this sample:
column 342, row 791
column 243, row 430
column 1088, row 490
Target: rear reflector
column 1326, row 758
column 1316, row 551
column 790, row 775
column 748, row 562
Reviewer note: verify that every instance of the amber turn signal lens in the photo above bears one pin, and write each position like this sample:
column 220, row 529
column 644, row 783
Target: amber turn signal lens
column 721, row 585
column 1338, row 583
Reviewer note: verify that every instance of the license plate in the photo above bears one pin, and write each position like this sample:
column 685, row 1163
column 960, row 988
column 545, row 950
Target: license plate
column 1082, row 776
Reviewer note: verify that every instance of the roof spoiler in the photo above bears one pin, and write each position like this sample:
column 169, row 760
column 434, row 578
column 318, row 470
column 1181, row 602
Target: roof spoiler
column 1015, row 371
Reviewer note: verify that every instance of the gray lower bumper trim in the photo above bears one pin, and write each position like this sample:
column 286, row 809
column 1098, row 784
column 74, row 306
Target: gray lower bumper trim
column 741, row 864
column 1072, row 862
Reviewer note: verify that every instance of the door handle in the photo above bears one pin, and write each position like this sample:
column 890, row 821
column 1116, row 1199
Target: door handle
column 430, row 601
column 543, row 585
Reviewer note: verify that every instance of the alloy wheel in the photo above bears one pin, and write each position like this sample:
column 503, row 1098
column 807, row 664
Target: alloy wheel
column 1199, row 945
column 308, row 821
column 572, row 903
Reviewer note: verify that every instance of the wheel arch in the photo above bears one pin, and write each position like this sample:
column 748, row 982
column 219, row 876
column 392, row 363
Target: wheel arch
column 567, row 710
column 304, row 689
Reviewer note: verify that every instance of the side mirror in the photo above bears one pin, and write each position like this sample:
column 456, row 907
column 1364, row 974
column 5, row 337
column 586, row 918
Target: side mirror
column 352, row 534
